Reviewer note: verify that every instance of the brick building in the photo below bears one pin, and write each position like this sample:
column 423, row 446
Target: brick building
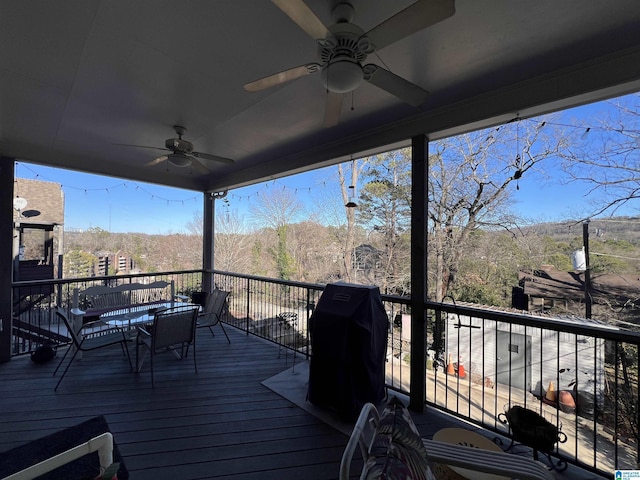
column 38, row 225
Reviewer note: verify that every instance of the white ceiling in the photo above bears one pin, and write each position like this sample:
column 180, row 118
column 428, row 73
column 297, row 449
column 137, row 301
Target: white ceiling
column 78, row 77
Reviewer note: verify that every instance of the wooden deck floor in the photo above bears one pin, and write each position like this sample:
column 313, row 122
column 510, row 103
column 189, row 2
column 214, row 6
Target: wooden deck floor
column 220, row 423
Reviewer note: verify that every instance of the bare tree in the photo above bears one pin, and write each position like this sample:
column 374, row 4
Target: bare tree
column 177, row 251
column 232, row 245
column 194, row 226
column 314, row 251
column 349, row 240
column 79, row 263
column 385, row 210
column 470, row 183
column 606, row 156
column 276, row 209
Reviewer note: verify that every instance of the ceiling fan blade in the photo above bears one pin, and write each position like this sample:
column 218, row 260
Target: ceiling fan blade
column 303, row 16
column 195, row 163
column 390, row 82
column 282, row 77
column 142, row 146
column 156, row 161
column 412, row 19
column 214, row 158
column 332, row 109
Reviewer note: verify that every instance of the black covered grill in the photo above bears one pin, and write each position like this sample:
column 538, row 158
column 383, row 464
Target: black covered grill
column 348, row 346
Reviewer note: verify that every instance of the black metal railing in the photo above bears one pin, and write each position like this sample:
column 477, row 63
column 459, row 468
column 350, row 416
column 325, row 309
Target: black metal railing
column 279, row 311
column 34, row 323
column 581, row 376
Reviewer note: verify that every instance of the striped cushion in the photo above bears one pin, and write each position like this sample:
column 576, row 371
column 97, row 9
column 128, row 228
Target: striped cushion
column 397, row 451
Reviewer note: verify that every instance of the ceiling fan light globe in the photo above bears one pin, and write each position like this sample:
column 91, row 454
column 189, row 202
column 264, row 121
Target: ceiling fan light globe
column 342, row 75
column 179, row 160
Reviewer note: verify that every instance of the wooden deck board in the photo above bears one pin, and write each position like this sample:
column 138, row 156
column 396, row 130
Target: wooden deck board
column 220, row 423
column 217, row 423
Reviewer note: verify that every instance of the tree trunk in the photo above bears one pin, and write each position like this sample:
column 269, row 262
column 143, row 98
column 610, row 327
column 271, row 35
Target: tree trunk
column 349, row 242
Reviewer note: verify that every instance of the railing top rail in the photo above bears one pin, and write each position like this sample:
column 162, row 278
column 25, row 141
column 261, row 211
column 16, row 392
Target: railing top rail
column 277, row 281
column 596, row 330
column 63, row 281
column 311, row 286
column 604, row 331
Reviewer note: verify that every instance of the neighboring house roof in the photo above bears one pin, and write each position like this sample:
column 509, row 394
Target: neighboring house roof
column 366, row 249
column 544, row 315
column 552, row 283
column 45, row 202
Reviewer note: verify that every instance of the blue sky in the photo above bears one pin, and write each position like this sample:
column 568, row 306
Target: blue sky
column 115, row 205
column 552, row 197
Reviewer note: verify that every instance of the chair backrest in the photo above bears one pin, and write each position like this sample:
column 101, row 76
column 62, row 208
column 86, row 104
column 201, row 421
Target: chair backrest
column 173, row 326
column 363, row 435
column 215, row 302
column 62, row 314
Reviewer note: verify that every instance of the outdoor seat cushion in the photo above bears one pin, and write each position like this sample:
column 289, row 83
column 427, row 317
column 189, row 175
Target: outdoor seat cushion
column 397, row 451
column 86, row 467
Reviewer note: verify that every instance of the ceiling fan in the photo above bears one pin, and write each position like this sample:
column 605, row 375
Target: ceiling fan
column 182, row 153
column 344, row 46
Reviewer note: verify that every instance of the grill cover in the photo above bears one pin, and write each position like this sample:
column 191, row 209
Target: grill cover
column 348, row 348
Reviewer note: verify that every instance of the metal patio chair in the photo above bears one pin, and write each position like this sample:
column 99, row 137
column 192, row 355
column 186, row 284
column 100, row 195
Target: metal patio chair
column 474, row 459
column 173, row 329
column 85, row 342
column 213, row 309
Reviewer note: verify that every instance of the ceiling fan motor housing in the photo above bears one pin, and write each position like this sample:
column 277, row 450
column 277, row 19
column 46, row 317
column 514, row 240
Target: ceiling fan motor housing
column 179, row 145
column 341, row 56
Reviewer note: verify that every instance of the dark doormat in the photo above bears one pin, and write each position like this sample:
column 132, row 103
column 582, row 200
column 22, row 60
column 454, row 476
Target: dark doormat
column 87, row 467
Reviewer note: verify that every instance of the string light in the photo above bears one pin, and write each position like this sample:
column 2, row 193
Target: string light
column 587, row 129
column 537, row 123
column 272, row 184
column 108, row 189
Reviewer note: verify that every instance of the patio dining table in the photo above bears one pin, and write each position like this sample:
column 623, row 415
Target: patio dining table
column 139, row 317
